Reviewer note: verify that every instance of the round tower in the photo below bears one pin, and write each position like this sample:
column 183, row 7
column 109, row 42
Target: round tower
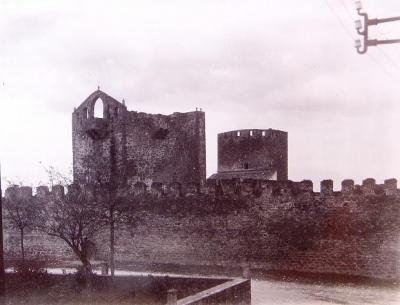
column 253, row 153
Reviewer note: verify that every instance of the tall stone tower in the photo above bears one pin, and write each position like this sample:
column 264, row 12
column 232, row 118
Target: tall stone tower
column 140, row 147
column 253, row 153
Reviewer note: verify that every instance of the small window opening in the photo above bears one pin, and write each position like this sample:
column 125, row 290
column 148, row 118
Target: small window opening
column 116, row 111
column 246, row 166
column 251, row 133
column 263, row 133
column 99, row 108
column 85, row 113
column 238, row 134
column 161, row 134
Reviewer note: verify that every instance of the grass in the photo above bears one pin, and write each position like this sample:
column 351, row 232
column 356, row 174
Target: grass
column 45, row 289
column 36, row 287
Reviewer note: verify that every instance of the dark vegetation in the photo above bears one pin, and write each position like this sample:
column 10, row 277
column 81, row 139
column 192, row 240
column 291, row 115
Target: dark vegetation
column 31, row 284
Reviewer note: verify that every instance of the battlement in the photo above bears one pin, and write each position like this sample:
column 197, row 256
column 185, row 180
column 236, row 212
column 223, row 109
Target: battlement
column 368, row 187
column 253, row 154
column 256, row 133
column 175, row 115
column 313, row 225
column 232, row 188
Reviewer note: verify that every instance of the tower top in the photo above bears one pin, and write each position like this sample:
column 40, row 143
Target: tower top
column 107, row 100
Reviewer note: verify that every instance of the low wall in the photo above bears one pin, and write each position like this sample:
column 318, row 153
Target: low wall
column 235, row 292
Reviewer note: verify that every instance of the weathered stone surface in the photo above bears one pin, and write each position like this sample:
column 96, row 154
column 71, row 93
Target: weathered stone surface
column 253, row 153
column 187, row 221
column 138, row 146
column 279, row 225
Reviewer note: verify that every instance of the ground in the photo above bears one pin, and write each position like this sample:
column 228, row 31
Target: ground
column 292, row 293
column 298, row 290
column 280, row 291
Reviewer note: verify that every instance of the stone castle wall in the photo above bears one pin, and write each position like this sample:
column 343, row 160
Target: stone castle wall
column 137, row 146
column 253, row 153
column 166, row 148
column 275, row 225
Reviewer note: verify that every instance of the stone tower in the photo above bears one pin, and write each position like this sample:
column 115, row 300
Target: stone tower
column 142, row 148
column 253, row 153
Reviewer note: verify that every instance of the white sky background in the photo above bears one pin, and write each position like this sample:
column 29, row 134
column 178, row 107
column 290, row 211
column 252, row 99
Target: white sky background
column 286, row 65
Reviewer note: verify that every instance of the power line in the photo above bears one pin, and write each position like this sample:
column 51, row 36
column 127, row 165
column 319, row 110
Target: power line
column 348, row 32
column 380, row 66
column 339, row 20
column 346, row 9
column 362, row 48
column 389, row 58
column 386, row 72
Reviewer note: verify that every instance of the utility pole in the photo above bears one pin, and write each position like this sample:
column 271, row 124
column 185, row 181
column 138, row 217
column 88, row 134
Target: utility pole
column 2, row 273
column 362, row 47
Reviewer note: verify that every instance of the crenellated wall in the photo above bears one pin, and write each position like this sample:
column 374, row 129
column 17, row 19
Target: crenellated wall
column 275, row 225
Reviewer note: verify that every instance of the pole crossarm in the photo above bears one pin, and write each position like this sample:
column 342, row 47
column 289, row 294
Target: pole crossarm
column 386, row 41
column 362, row 29
column 377, row 21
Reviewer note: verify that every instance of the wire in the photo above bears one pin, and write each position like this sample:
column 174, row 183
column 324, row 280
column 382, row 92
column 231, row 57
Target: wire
column 386, row 72
column 394, row 64
column 380, row 66
column 340, row 20
column 389, row 58
column 347, row 9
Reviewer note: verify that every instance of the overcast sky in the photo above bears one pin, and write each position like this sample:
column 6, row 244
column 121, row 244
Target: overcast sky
column 287, row 65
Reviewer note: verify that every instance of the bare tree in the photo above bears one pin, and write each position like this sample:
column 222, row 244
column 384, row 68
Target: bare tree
column 111, row 201
column 73, row 217
column 20, row 213
column 113, row 197
column 116, row 209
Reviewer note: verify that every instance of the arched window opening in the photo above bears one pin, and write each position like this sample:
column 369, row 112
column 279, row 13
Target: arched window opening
column 246, row 165
column 99, row 108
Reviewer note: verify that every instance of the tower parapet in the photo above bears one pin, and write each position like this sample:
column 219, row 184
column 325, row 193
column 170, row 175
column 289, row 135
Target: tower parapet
column 253, row 153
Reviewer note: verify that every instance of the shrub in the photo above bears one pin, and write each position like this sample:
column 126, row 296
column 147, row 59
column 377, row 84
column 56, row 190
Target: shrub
column 31, row 273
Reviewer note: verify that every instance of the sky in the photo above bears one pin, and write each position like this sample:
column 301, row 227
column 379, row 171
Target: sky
column 288, row 65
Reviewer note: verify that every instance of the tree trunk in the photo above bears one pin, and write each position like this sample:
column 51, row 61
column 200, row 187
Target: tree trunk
column 22, row 245
column 87, row 271
column 112, row 239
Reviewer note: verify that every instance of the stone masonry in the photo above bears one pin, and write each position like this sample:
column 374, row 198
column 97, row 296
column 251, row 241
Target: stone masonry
column 142, row 148
column 273, row 225
column 253, row 153
column 248, row 213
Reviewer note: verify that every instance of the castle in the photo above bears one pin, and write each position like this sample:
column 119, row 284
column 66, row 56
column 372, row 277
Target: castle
column 149, row 148
column 142, row 148
column 255, row 153
column 247, row 212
